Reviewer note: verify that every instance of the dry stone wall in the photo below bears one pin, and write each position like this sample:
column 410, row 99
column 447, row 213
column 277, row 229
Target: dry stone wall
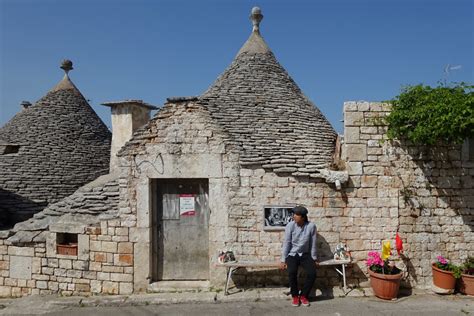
column 249, row 239
column 427, row 194
column 424, row 194
column 103, row 264
column 268, row 117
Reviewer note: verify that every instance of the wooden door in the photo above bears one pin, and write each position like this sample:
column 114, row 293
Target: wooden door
column 181, row 229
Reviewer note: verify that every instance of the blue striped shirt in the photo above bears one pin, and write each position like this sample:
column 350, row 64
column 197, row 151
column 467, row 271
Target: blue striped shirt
column 299, row 240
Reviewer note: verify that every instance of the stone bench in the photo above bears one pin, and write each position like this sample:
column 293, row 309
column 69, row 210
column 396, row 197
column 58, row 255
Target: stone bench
column 339, row 266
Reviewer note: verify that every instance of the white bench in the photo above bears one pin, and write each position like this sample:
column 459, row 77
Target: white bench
column 235, row 265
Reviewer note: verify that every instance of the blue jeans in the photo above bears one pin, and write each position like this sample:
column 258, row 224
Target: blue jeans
column 309, row 266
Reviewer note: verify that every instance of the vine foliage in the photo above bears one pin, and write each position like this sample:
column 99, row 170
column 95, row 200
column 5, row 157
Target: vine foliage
column 426, row 115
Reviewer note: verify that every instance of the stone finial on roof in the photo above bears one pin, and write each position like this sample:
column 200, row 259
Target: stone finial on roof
column 256, row 16
column 65, row 83
column 255, row 43
column 66, row 65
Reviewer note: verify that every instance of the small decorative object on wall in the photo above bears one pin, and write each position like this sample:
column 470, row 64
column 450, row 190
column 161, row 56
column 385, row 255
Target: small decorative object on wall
column 226, row 256
column 276, row 217
column 341, row 252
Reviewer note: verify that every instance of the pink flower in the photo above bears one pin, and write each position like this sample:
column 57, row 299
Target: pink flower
column 374, row 259
column 442, row 260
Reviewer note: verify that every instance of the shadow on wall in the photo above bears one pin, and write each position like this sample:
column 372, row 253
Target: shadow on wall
column 445, row 187
column 15, row 208
column 437, row 187
column 325, row 251
column 406, row 281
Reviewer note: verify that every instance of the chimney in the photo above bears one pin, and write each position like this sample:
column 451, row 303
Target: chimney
column 127, row 117
column 25, row 105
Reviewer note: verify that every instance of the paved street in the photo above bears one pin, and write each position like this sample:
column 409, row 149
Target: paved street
column 338, row 307
column 425, row 304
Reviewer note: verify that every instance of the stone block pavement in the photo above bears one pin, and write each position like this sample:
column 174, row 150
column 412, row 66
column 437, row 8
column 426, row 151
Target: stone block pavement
column 356, row 302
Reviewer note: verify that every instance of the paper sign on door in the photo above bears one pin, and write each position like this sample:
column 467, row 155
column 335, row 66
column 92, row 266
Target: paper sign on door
column 186, row 205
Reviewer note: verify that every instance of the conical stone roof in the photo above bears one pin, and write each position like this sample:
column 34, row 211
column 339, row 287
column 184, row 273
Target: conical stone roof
column 266, row 114
column 62, row 144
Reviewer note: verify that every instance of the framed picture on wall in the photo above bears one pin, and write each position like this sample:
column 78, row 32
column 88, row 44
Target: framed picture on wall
column 277, row 216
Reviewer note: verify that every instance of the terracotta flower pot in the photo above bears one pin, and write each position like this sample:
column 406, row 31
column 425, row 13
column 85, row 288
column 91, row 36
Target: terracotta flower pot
column 443, row 279
column 385, row 286
column 467, row 284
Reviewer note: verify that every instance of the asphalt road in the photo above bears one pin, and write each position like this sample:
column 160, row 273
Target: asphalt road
column 418, row 305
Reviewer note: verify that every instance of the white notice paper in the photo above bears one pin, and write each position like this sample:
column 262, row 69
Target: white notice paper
column 186, row 205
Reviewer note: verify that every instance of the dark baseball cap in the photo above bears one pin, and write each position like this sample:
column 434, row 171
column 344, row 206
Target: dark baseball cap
column 300, row 210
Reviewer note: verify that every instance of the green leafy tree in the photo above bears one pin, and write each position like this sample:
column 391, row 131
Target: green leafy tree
column 426, row 115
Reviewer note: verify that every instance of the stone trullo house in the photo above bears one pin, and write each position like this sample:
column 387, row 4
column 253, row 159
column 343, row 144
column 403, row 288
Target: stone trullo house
column 219, row 171
column 48, row 150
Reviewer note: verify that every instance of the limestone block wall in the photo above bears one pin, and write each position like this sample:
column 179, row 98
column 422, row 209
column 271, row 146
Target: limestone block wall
column 427, row 194
column 250, row 241
column 103, row 265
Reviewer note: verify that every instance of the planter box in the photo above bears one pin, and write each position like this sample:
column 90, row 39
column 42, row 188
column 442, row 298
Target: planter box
column 68, row 250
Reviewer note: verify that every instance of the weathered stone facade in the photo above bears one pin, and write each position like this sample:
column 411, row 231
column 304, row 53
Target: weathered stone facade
column 103, row 265
column 248, row 162
column 425, row 193
column 389, row 188
column 181, row 141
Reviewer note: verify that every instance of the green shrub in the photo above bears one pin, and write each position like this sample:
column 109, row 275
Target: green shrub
column 426, row 115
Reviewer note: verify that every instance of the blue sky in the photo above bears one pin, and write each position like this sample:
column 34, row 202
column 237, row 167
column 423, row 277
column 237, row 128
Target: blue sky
column 137, row 49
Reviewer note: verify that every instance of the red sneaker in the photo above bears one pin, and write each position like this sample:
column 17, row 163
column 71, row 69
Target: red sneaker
column 304, row 301
column 295, row 301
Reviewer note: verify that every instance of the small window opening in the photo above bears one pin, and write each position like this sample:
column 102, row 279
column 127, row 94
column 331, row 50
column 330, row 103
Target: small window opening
column 66, row 244
column 11, row 149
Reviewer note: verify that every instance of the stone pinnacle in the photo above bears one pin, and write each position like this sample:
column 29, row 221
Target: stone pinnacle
column 66, row 65
column 256, row 17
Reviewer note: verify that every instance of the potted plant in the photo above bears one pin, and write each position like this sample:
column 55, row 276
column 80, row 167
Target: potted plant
column 467, row 277
column 445, row 273
column 384, row 275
